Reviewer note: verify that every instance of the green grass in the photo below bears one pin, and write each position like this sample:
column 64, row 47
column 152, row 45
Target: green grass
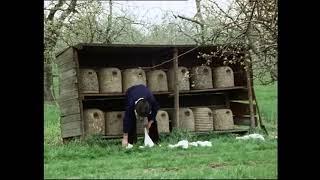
column 227, row 158
column 267, row 100
column 52, row 130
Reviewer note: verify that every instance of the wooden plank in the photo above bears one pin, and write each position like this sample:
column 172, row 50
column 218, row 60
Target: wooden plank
column 70, row 118
column 242, row 101
column 176, row 85
column 65, row 57
column 199, row 93
column 67, row 87
column 247, row 116
column 67, row 66
column 69, row 92
column 191, row 107
column 72, row 79
column 69, row 139
column 215, row 89
column 140, row 136
column 68, row 95
column 217, row 106
column 97, row 98
column 113, row 136
column 102, row 94
column 68, row 74
column 232, row 131
column 81, row 115
column 212, row 90
column 71, row 133
column 119, row 94
column 70, row 107
column 80, row 104
column 71, row 125
column 181, row 93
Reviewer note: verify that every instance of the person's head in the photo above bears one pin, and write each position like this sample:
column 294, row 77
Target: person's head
column 142, row 108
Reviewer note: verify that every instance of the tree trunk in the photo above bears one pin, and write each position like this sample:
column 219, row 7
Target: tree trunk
column 51, row 36
column 48, row 82
column 108, row 39
column 199, row 15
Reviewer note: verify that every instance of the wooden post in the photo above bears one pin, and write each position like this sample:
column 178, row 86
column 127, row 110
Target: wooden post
column 248, row 72
column 259, row 115
column 176, row 86
column 81, row 97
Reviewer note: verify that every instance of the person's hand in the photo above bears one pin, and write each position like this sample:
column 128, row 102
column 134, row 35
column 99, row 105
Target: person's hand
column 145, row 123
column 125, row 140
column 149, row 124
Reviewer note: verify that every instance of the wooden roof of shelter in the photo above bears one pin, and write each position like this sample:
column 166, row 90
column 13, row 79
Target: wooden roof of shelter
column 136, row 48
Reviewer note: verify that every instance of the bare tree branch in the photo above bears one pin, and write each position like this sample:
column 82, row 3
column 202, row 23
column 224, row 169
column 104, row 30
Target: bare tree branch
column 199, row 15
column 188, row 19
column 109, row 25
column 68, row 11
column 54, row 10
column 90, row 30
column 52, row 30
column 119, row 32
column 189, row 36
column 250, row 18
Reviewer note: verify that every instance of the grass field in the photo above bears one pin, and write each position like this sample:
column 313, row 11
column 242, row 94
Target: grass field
column 227, row 158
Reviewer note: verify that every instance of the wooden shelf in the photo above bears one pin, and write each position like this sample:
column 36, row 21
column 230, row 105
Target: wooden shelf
column 209, row 91
column 236, row 130
column 106, row 96
column 212, row 90
column 115, row 94
column 72, row 102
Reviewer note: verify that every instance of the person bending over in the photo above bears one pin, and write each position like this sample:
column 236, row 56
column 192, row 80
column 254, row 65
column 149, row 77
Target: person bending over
column 141, row 105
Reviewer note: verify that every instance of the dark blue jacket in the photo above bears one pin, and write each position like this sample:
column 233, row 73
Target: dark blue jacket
column 132, row 95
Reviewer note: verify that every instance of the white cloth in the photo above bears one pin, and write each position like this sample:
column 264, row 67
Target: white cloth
column 204, row 143
column 129, row 146
column 251, row 136
column 147, row 140
column 185, row 144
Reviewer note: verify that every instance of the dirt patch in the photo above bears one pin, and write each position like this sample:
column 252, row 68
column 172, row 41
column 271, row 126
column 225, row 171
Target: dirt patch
column 171, row 169
column 251, row 163
column 254, row 163
column 217, row 165
column 148, row 170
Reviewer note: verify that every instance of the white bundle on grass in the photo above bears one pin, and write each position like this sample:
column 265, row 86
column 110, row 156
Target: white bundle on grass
column 185, row 144
column 251, row 136
column 129, row 146
column 147, row 140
